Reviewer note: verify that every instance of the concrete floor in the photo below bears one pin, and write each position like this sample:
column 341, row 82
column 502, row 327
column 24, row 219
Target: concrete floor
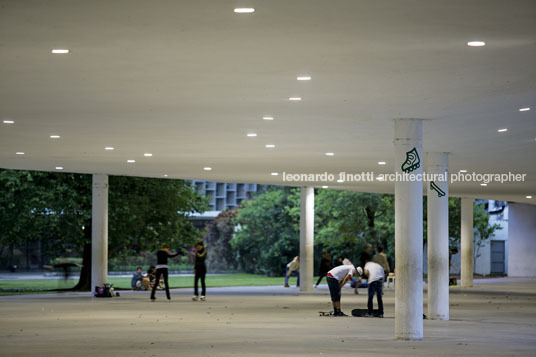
column 496, row 317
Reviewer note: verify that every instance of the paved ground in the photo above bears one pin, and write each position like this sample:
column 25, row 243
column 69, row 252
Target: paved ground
column 496, row 318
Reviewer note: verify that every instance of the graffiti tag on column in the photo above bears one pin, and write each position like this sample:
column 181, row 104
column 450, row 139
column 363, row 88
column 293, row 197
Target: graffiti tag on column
column 434, row 187
column 412, row 161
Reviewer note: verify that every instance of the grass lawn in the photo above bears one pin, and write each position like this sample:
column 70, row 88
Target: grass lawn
column 11, row 287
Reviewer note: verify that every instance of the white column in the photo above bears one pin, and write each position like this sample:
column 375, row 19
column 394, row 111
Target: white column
column 408, row 231
column 307, row 221
column 438, row 236
column 467, row 242
column 99, row 234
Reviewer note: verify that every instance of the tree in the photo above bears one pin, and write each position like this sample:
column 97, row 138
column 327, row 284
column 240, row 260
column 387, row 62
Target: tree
column 482, row 229
column 346, row 221
column 43, row 206
column 56, row 208
column 146, row 212
column 218, row 236
column 268, row 234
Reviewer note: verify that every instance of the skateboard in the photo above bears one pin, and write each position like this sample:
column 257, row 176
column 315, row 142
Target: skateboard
column 325, row 313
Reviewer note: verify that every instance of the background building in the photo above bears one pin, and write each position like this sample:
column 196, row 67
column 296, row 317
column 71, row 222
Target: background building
column 222, row 196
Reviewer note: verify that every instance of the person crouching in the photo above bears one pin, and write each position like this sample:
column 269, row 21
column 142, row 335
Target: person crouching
column 337, row 278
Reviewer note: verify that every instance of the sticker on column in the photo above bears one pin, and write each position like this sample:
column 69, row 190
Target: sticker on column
column 412, row 161
column 433, row 186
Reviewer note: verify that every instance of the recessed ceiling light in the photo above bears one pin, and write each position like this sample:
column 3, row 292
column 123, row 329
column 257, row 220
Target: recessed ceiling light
column 381, row 162
column 483, row 184
column 165, row 175
column 270, row 145
column 303, row 78
column 521, row 110
column 379, row 178
column 324, row 186
column 251, row 135
column 294, row 99
column 108, row 148
column 59, row 168
column 476, row 43
column 19, row 153
column 462, row 171
column 268, row 118
column 60, row 51
column 330, row 154
column 207, row 168
column 502, row 130
column 9, row 122
column 148, row 154
column 340, row 180
column 54, row 136
column 528, row 196
column 275, row 173
column 131, row 161
column 244, row 10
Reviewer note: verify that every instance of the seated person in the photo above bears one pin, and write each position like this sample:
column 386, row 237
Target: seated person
column 148, row 279
column 137, row 277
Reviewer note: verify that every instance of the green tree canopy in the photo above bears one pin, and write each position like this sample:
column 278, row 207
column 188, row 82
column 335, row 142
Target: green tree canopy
column 267, row 236
column 346, row 221
column 56, row 208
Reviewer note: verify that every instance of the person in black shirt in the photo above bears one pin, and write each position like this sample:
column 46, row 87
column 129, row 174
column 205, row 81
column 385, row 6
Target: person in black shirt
column 338, row 262
column 325, row 266
column 162, row 269
column 200, row 270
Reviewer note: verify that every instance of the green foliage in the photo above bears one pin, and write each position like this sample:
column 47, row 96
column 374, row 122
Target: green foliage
column 218, row 236
column 482, row 229
column 56, row 209
column 12, row 287
column 347, row 221
column 43, row 206
column 344, row 223
column 145, row 212
column 267, row 237
column 455, row 221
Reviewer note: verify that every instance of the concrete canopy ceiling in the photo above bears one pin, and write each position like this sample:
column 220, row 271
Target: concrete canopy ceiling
column 187, row 80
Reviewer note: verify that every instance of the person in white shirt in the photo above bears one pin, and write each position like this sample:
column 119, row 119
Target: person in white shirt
column 293, row 268
column 337, row 278
column 375, row 274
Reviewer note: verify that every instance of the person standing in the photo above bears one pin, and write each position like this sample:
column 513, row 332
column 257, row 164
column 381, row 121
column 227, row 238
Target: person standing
column 365, row 254
column 325, row 266
column 162, row 269
column 293, row 268
column 338, row 262
column 381, row 259
column 337, row 278
column 200, row 271
column 375, row 274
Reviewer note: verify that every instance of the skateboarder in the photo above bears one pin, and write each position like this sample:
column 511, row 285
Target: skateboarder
column 337, row 278
column 200, row 271
column 162, row 269
column 293, row 268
